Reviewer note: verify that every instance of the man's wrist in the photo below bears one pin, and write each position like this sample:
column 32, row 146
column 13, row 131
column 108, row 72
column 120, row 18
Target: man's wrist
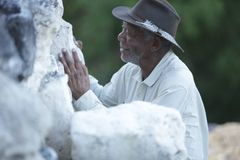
column 77, row 95
column 87, row 101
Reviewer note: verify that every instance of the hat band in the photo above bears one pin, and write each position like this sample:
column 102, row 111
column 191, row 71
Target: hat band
column 152, row 27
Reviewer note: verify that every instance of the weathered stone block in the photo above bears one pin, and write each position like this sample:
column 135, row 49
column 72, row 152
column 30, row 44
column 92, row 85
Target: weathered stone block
column 48, row 79
column 24, row 122
column 224, row 142
column 18, row 38
column 135, row 131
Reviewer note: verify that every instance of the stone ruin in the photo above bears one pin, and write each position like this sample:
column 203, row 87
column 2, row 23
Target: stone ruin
column 135, row 131
column 37, row 103
column 224, row 142
column 24, row 122
column 17, row 40
column 34, row 30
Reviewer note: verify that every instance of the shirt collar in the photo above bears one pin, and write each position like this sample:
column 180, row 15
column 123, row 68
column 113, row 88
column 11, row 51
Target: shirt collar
column 153, row 77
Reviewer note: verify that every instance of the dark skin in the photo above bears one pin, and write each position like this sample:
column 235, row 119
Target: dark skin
column 144, row 52
column 77, row 72
column 148, row 50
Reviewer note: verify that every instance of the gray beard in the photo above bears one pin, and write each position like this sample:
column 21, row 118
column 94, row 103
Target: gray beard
column 131, row 59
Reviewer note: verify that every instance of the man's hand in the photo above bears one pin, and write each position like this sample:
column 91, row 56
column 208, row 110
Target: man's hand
column 77, row 72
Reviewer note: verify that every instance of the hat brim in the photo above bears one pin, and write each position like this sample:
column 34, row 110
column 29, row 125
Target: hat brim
column 123, row 13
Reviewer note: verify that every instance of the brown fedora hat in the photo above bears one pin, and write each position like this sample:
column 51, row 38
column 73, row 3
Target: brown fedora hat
column 157, row 16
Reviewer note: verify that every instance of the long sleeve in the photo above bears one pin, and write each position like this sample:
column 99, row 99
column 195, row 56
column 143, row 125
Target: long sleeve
column 102, row 96
column 88, row 101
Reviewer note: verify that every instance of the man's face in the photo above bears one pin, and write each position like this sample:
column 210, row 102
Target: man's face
column 133, row 43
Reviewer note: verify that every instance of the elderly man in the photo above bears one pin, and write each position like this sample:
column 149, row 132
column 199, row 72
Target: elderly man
column 152, row 72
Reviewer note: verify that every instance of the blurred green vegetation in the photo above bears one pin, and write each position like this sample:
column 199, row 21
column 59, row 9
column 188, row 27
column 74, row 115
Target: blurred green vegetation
column 209, row 33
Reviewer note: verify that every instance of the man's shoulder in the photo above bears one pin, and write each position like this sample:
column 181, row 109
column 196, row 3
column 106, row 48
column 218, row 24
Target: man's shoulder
column 177, row 73
column 174, row 65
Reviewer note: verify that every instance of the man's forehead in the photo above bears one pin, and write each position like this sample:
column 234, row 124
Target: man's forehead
column 129, row 25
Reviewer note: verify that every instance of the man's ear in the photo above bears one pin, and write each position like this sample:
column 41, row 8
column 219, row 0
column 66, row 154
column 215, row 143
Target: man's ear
column 156, row 45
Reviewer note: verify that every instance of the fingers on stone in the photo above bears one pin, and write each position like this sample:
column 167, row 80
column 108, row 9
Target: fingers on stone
column 69, row 61
column 65, row 59
column 77, row 62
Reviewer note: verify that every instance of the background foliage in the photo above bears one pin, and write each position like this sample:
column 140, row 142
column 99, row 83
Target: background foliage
column 209, row 33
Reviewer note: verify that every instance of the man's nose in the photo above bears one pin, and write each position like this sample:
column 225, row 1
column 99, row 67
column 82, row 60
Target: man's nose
column 121, row 36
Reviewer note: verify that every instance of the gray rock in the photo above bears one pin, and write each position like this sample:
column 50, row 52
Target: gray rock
column 135, row 131
column 56, row 97
column 10, row 61
column 24, row 122
column 224, row 142
column 48, row 153
column 48, row 79
column 18, row 37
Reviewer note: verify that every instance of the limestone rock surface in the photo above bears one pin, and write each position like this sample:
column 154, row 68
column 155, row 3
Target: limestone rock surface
column 135, row 131
column 224, row 142
column 17, row 42
column 24, row 122
column 40, row 30
column 48, row 79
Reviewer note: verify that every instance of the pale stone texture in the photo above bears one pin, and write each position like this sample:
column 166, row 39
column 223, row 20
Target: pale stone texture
column 135, row 131
column 48, row 79
column 24, row 122
column 224, row 142
column 17, row 41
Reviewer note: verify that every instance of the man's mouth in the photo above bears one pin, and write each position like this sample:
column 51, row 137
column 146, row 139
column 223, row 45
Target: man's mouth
column 123, row 49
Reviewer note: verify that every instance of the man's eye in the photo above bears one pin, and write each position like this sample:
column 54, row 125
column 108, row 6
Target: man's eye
column 125, row 30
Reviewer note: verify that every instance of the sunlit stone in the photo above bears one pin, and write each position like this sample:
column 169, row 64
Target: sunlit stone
column 48, row 79
column 135, row 131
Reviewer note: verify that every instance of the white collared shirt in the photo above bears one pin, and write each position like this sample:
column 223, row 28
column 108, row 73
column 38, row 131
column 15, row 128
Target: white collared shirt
column 170, row 84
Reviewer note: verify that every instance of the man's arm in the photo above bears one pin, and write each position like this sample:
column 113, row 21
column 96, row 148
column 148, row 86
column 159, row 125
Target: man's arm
column 79, row 82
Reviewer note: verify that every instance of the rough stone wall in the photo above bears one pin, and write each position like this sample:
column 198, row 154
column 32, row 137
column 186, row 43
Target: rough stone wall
column 17, row 39
column 48, row 79
column 224, row 142
column 24, row 122
column 135, row 131
column 24, row 119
